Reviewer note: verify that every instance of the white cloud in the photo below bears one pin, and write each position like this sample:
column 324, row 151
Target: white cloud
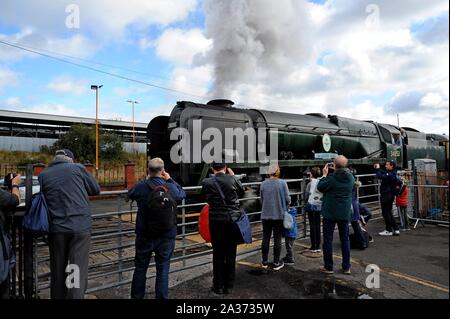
column 181, row 46
column 193, row 80
column 77, row 45
column 356, row 60
column 107, row 19
column 66, row 84
column 13, row 102
column 7, row 77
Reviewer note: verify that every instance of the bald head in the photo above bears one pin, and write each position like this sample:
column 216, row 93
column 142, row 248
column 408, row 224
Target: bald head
column 340, row 162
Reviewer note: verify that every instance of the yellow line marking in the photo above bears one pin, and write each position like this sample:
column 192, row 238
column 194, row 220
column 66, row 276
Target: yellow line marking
column 249, row 264
column 419, row 281
column 397, row 274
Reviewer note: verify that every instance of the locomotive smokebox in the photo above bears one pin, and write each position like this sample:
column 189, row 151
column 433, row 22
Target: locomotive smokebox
column 222, row 103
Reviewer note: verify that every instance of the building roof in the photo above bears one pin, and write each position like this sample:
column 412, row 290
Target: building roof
column 59, row 120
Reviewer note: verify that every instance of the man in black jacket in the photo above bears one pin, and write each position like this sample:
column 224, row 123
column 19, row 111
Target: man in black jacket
column 66, row 187
column 222, row 214
column 388, row 180
column 8, row 200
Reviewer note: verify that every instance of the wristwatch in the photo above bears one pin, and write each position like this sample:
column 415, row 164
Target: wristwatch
column 14, row 186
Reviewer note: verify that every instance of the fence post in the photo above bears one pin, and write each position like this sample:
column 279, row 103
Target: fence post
column 38, row 169
column 183, row 230
column 119, row 239
column 302, row 205
column 130, row 178
column 28, row 238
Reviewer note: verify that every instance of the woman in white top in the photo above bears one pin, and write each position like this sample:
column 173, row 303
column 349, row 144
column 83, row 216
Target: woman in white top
column 313, row 208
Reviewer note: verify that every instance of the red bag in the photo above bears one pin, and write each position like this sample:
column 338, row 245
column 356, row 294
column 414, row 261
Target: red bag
column 203, row 224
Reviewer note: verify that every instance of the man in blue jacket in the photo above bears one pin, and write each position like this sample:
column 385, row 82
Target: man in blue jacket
column 66, row 187
column 336, row 209
column 388, row 178
column 146, row 244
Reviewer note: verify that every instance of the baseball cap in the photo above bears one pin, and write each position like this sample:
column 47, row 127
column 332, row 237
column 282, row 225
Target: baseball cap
column 65, row 152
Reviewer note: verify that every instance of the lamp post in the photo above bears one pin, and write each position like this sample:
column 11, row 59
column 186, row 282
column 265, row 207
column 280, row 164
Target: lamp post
column 134, row 131
column 96, row 88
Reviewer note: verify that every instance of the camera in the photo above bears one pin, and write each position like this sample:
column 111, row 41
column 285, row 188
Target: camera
column 330, row 167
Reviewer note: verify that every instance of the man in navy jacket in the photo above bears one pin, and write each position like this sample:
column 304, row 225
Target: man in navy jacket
column 388, row 180
column 164, row 244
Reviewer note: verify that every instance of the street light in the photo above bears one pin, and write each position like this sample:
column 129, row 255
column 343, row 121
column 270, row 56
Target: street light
column 96, row 88
column 134, row 131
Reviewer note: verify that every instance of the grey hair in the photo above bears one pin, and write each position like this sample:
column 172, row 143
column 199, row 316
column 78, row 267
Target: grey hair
column 65, row 158
column 156, row 165
column 341, row 161
column 273, row 168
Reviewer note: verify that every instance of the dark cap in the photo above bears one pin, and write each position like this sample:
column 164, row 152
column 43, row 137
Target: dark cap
column 65, row 152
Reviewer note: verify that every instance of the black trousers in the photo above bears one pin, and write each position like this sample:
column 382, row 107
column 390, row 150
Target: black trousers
column 65, row 250
column 269, row 226
column 224, row 243
column 387, row 200
column 314, row 230
column 4, row 289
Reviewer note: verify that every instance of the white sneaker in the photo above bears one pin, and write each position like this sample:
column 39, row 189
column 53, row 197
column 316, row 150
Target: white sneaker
column 397, row 233
column 386, row 233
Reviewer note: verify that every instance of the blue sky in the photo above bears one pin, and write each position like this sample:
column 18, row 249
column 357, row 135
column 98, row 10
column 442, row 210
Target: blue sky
column 336, row 60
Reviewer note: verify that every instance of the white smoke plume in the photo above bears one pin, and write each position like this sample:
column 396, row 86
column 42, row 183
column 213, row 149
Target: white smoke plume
column 255, row 41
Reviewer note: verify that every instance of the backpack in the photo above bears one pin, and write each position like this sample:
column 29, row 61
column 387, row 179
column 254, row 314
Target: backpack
column 398, row 187
column 160, row 215
column 7, row 257
column 315, row 198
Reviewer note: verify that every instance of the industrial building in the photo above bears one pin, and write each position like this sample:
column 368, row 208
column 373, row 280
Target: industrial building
column 22, row 131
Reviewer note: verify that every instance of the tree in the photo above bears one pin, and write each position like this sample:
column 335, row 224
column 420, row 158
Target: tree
column 111, row 147
column 80, row 139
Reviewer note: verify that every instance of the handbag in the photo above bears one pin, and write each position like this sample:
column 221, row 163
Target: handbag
column 36, row 218
column 242, row 222
column 203, row 224
column 288, row 220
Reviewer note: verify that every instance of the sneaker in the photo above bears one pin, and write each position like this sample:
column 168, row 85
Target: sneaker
column 217, row 291
column 288, row 262
column 347, row 272
column 371, row 240
column 386, row 233
column 277, row 266
column 317, row 251
column 264, row 265
column 326, row 271
column 228, row 291
column 397, row 233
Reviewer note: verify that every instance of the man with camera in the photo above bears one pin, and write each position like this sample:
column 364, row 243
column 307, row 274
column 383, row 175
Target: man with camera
column 336, row 185
column 9, row 199
column 156, row 227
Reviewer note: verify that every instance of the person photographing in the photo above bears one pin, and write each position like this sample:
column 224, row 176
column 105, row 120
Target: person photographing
column 336, row 186
column 9, row 199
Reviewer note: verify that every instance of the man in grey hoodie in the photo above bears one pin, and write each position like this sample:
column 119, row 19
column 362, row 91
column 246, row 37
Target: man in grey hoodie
column 66, row 187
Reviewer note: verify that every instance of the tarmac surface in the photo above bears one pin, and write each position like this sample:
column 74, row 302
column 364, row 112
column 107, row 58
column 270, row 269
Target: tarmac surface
column 413, row 265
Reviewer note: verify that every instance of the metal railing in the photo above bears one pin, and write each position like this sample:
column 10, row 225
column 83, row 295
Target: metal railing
column 112, row 244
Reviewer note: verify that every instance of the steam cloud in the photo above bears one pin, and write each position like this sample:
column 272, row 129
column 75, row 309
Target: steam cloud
column 256, row 41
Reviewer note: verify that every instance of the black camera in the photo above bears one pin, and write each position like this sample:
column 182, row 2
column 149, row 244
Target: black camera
column 7, row 181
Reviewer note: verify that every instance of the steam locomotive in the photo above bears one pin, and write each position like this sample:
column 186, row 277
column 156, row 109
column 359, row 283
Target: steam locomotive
column 303, row 140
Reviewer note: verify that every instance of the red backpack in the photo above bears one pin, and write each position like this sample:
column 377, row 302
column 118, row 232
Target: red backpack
column 203, row 224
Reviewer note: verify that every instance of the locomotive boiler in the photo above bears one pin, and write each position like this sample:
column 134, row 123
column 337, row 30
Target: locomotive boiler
column 303, row 140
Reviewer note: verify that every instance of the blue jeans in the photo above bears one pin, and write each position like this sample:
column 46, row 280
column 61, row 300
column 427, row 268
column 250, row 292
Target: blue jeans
column 145, row 247
column 328, row 231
